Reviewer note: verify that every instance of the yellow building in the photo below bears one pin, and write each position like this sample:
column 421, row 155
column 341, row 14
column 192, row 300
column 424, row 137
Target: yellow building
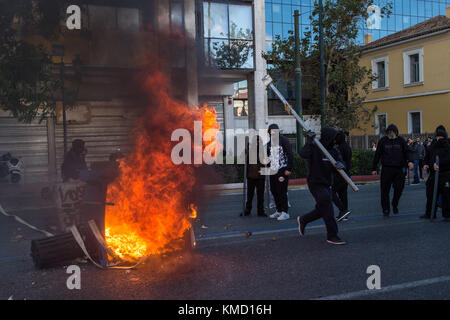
column 412, row 89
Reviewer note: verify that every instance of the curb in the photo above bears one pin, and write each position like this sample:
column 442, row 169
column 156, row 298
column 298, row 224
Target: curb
column 292, row 182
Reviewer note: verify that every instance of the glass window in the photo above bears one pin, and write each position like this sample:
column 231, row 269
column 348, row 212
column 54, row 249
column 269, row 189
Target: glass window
column 276, row 13
column 268, row 31
column 215, row 20
column 128, row 19
column 101, row 17
column 287, row 15
column 406, row 7
column 241, row 22
column 414, row 7
column 414, row 68
column 228, row 34
column 268, row 7
column 381, row 124
column 415, row 120
column 381, row 72
column 176, row 13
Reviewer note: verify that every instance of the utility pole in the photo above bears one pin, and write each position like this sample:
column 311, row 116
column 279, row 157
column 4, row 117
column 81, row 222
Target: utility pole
column 298, row 80
column 322, row 67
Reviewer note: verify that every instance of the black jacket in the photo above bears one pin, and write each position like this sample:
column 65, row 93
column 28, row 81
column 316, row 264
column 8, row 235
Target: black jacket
column 439, row 148
column 286, row 154
column 320, row 169
column 72, row 165
column 413, row 151
column 391, row 152
column 346, row 153
column 253, row 169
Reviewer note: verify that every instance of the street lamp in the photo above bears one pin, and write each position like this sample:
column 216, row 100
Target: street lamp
column 322, row 67
column 298, row 80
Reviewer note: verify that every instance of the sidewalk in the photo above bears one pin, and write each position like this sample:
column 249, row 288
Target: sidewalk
column 24, row 196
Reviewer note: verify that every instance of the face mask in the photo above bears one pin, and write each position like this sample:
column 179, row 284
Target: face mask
column 391, row 135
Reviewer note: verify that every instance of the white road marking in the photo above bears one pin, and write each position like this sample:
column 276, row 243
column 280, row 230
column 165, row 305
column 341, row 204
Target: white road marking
column 402, row 286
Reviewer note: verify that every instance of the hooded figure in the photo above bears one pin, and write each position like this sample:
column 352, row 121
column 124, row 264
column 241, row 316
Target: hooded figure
column 74, row 161
column 440, row 147
column 281, row 163
column 393, row 153
column 320, row 179
column 255, row 180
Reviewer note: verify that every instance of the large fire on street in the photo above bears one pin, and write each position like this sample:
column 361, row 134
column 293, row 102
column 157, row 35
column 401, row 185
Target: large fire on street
column 152, row 195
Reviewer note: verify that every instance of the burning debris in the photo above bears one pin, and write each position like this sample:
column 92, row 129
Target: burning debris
column 152, row 195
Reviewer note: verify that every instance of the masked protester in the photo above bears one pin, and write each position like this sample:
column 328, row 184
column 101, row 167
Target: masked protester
column 439, row 147
column 74, row 161
column 281, row 164
column 320, row 179
column 339, row 187
column 255, row 180
column 393, row 153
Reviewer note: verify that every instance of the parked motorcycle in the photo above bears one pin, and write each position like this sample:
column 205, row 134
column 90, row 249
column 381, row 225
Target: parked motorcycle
column 11, row 168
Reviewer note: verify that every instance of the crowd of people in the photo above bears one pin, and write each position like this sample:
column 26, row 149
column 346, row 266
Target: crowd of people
column 395, row 155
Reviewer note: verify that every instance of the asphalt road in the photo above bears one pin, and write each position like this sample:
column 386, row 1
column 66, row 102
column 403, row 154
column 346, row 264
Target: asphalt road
column 272, row 263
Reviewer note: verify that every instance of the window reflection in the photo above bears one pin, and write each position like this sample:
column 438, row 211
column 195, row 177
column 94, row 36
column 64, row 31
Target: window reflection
column 228, row 34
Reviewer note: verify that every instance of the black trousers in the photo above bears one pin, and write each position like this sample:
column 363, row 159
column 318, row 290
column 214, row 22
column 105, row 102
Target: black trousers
column 323, row 209
column 253, row 184
column 444, row 191
column 391, row 177
column 279, row 190
column 429, row 192
column 340, row 197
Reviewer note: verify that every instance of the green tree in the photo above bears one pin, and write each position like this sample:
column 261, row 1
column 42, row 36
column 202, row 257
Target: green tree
column 27, row 84
column 346, row 81
column 236, row 53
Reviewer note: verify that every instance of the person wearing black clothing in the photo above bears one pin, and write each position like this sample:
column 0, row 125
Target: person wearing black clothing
column 281, row 164
column 74, row 161
column 255, row 181
column 439, row 147
column 414, row 157
column 320, row 179
column 393, row 153
column 339, row 187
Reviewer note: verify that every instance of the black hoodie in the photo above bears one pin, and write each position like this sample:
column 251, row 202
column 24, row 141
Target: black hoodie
column 440, row 148
column 392, row 152
column 320, row 169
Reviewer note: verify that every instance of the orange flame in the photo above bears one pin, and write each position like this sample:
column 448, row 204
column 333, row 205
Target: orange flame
column 151, row 195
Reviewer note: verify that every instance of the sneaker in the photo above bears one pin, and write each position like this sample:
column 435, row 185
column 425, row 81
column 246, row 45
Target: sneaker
column 343, row 215
column 395, row 210
column 301, row 227
column 275, row 215
column 336, row 240
column 283, row 216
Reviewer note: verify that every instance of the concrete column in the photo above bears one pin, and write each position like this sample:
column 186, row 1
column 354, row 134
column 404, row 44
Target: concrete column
column 257, row 94
column 191, row 53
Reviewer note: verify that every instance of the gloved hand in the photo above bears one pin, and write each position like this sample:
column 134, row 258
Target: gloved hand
column 340, row 165
column 310, row 135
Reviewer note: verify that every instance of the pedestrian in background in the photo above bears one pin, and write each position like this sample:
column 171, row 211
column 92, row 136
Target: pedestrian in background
column 392, row 151
column 74, row 161
column 255, row 180
column 281, row 164
column 421, row 148
column 413, row 156
column 320, row 179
